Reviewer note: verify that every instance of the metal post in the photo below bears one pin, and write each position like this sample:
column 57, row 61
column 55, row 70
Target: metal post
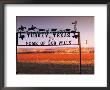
column 79, row 43
column 16, row 39
column 16, row 49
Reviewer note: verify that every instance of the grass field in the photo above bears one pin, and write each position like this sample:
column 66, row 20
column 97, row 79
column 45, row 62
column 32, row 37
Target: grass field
column 54, row 63
column 45, row 68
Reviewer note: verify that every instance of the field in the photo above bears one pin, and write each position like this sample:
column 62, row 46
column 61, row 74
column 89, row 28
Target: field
column 54, row 63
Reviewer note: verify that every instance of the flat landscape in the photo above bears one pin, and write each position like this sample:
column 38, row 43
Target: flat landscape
column 55, row 61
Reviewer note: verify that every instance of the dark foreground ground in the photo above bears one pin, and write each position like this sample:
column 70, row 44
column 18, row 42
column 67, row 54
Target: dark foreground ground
column 35, row 68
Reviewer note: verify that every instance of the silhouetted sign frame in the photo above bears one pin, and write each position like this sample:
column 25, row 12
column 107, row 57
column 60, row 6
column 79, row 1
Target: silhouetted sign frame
column 22, row 35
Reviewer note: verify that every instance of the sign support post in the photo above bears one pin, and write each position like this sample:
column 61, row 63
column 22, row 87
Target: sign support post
column 79, row 42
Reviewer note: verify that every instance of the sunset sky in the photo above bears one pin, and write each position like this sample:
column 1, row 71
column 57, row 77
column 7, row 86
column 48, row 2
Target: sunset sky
column 85, row 25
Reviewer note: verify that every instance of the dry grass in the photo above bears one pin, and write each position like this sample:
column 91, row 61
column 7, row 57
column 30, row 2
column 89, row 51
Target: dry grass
column 54, row 63
column 87, row 58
